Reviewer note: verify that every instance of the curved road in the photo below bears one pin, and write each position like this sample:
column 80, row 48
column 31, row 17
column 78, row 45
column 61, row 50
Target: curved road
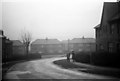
column 45, row 69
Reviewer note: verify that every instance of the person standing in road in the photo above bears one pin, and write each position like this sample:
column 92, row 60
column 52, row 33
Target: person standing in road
column 73, row 56
column 68, row 56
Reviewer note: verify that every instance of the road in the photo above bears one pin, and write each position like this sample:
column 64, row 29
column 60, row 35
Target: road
column 45, row 69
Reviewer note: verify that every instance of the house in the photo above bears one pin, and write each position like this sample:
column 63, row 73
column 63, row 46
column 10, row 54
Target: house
column 108, row 31
column 79, row 44
column 1, row 36
column 82, row 44
column 5, row 46
column 65, row 45
column 18, row 47
column 46, row 46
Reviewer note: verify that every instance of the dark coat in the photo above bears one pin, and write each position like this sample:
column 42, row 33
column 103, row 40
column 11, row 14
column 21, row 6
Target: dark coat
column 73, row 55
column 68, row 56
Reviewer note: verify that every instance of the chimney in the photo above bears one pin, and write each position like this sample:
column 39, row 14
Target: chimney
column 83, row 37
column 1, row 32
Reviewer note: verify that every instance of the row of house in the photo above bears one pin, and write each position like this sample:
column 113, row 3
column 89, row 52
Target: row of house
column 5, row 46
column 107, row 37
column 56, row 46
column 108, row 31
column 18, row 47
column 10, row 48
column 46, row 46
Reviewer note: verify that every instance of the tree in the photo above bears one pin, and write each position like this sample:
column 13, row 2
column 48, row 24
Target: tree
column 26, row 38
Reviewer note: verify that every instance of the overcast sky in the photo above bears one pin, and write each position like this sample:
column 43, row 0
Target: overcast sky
column 61, row 19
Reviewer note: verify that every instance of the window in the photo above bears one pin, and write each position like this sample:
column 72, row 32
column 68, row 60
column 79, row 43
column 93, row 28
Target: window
column 80, row 45
column 118, row 27
column 97, row 33
column 50, row 46
column 51, row 51
column 110, row 47
column 60, row 46
column 118, row 47
column 88, row 45
column 112, row 28
column 96, row 47
column 71, row 45
column 59, row 51
column 101, row 47
column 79, row 49
column 42, row 46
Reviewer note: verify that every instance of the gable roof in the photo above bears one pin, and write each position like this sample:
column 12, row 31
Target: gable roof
column 98, row 26
column 82, row 40
column 110, row 9
column 44, row 41
column 16, row 42
column 115, row 17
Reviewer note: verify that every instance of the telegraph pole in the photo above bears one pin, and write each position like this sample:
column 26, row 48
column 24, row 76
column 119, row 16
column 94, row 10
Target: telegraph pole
column 90, row 54
column 46, row 44
column 68, row 45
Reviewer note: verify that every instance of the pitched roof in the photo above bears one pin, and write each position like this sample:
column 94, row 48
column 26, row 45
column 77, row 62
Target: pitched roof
column 98, row 26
column 110, row 9
column 82, row 40
column 46, row 41
column 16, row 42
column 115, row 17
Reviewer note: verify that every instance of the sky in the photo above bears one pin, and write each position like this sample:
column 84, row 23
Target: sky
column 61, row 19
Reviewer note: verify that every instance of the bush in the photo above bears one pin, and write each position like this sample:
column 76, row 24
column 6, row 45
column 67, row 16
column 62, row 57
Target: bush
column 33, row 56
column 106, row 59
column 22, row 57
column 83, row 57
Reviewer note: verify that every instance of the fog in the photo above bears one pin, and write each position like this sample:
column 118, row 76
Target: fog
column 61, row 19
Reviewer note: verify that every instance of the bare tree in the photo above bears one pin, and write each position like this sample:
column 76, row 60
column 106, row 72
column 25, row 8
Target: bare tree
column 26, row 38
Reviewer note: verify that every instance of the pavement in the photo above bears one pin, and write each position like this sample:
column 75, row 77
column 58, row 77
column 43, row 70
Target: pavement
column 46, row 69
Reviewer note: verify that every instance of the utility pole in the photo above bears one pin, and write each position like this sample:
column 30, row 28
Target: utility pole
column 90, row 54
column 68, row 45
column 46, row 44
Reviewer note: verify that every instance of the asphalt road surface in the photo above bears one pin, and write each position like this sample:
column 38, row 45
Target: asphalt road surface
column 45, row 69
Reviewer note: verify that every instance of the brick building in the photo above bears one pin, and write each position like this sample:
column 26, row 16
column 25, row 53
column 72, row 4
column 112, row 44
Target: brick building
column 5, row 46
column 46, row 46
column 108, row 31
column 82, row 44
column 18, row 48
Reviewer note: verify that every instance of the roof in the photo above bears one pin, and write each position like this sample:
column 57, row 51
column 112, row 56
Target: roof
column 16, row 42
column 8, row 41
column 115, row 17
column 98, row 26
column 46, row 41
column 82, row 40
column 110, row 10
